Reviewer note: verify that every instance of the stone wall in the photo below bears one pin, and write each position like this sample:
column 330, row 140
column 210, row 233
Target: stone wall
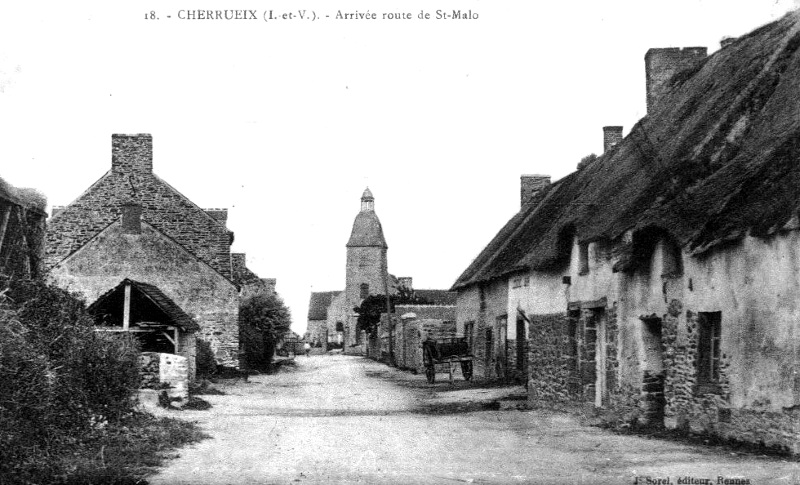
column 165, row 372
column 131, row 178
column 553, row 369
column 150, row 257
column 485, row 306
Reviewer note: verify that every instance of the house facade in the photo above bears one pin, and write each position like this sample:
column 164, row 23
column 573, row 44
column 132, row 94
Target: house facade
column 659, row 281
column 132, row 225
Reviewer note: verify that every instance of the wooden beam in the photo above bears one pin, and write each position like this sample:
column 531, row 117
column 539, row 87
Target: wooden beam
column 169, row 338
column 4, row 225
column 126, row 311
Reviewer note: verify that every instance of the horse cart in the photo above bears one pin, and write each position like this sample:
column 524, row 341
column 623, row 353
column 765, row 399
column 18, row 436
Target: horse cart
column 448, row 352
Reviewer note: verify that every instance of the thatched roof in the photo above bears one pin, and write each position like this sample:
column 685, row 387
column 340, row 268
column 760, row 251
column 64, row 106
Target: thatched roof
column 28, row 198
column 716, row 160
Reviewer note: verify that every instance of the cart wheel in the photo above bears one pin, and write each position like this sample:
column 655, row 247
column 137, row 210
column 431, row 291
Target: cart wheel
column 430, row 374
column 466, row 369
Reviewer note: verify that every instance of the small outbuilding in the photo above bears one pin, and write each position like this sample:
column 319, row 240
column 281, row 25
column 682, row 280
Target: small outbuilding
column 144, row 310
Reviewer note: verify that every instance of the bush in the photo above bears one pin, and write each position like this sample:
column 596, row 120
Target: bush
column 263, row 319
column 206, row 364
column 58, row 377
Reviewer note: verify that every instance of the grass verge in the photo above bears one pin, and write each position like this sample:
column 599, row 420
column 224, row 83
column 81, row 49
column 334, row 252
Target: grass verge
column 121, row 453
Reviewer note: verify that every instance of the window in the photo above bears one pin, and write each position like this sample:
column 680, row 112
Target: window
column 708, row 351
column 516, row 282
column 526, row 281
column 583, row 258
column 364, row 290
column 483, row 298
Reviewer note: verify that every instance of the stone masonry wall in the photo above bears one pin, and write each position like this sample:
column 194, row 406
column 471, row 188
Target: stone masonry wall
column 553, row 371
column 131, row 178
column 710, row 410
column 150, row 257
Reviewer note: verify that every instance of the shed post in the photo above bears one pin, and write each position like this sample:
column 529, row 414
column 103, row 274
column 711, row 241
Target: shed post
column 126, row 311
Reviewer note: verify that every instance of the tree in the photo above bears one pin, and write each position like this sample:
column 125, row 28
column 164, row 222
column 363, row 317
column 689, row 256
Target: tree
column 263, row 319
column 371, row 308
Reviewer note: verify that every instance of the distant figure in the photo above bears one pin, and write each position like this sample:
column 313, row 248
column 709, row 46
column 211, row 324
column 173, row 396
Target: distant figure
column 307, row 348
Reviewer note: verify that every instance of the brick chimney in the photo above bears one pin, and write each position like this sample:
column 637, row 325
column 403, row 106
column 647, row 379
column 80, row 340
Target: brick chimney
column 530, row 186
column 661, row 64
column 612, row 135
column 131, row 217
column 132, row 153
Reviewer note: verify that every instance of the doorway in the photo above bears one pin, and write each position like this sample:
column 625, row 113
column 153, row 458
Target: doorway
column 653, row 376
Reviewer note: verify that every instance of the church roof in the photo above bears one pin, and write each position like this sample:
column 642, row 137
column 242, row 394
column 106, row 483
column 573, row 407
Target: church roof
column 367, row 231
column 367, row 195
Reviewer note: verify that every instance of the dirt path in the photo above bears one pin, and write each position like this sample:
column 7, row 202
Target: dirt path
column 336, row 419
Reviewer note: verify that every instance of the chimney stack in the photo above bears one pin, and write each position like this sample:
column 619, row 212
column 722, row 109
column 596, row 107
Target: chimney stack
column 219, row 215
column 132, row 153
column 661, row 64
column 405, row 282
column 530, row 186
column 612, row 135
column 269, row 284
column 131, row 217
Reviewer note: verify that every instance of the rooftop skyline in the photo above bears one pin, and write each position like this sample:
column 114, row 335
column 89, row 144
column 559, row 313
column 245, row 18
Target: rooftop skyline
column 286, row 124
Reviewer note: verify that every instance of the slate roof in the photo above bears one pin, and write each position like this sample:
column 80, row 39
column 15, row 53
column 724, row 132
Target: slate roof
column 319, row 303
column 717, row 159
column 162, row 301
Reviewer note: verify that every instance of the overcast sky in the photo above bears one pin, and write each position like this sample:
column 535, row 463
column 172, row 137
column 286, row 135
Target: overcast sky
column 285, row 123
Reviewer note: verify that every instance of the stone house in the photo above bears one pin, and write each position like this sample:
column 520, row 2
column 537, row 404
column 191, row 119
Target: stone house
column 317, row 327
column 659, row 281
column 22, row 227
column 130, row 225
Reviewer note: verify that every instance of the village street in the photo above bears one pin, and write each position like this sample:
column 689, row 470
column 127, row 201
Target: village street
column 336, row 419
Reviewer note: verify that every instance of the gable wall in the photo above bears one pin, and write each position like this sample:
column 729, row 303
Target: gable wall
column 162, row 206
column 150, row 257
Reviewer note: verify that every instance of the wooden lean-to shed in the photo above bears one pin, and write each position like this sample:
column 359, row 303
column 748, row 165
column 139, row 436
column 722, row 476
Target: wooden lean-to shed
column 144, row 310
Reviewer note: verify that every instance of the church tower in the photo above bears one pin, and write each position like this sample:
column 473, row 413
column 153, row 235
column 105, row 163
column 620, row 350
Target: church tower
column 366, row 262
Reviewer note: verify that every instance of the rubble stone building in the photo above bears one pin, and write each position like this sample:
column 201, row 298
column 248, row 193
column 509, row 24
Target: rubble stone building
column 317, row 328
column 22, row 228
column 132, row 225
column 659, row 282
column 332, row 313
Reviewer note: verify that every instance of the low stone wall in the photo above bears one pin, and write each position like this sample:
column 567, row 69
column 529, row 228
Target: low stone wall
column 165, row 372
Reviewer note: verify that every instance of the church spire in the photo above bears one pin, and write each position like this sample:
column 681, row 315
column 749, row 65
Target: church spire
column 367, row 201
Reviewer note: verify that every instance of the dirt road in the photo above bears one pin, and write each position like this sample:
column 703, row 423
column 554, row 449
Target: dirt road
column 336, row 419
